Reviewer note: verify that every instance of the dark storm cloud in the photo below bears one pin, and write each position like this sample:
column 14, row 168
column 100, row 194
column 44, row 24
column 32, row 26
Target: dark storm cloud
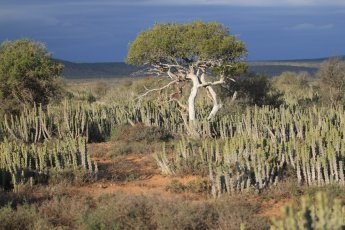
column 101, row 30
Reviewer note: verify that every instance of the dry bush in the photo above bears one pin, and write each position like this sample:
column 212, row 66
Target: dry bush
column 140, row 133
column 24, row 217
column 331, row 81
column 120, row 211
column 101, row 88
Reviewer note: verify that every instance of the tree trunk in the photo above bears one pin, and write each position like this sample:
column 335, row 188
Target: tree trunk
column 216, row 104
column 192, row 96
column 191, row 104
column 213, row 94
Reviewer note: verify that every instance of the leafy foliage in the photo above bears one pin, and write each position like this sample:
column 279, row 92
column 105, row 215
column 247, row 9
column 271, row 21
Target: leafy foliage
column 28, row 75
column 187, row 44
column 253, row 89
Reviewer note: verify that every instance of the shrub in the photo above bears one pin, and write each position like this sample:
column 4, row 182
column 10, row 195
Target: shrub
column 198, row 185
column 101, row 88
column 63, row 212
column 175, row 186
column 24, row 217
column 72, row 176
column 296, row 88
column 140, row 133
column 121, row 212
column 28, row 75
column 331, row 81
column 253, row 89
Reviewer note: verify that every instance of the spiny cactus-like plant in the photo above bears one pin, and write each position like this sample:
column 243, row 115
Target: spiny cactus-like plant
column 319, row 213
column 20, row 162
column 255, row 149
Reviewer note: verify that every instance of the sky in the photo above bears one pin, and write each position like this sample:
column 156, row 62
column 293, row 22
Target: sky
column 101, row 30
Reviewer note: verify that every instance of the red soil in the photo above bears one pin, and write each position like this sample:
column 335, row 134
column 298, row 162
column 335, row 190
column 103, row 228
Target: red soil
column 139, row 175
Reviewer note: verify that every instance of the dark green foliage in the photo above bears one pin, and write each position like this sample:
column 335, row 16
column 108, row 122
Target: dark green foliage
column 190, row 42
column 253, row 89
column 90, row 98
column 197, row 46
column 28, row 75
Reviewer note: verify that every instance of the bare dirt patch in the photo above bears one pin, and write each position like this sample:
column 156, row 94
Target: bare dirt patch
column 138, row 174
column 273, row 208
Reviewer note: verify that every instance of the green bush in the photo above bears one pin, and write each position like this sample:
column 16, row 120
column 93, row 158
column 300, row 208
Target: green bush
column 253, row 89
column 28, row 75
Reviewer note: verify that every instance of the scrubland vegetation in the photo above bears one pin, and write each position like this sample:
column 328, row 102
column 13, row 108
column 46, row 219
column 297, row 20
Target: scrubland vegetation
column 279, row 141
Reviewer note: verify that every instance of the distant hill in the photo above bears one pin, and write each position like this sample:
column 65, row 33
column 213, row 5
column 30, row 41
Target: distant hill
column 75, row 70
column 275, row 70
column 276, row 67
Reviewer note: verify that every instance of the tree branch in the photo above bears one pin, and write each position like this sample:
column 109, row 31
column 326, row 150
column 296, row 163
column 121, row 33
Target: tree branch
column 157, row 89
column 219, row 82
column 184, row 107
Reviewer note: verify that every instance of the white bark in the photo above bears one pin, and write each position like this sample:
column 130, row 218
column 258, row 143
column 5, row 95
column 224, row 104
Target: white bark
column 195, row 73
column 192, row 96
column 216, row 104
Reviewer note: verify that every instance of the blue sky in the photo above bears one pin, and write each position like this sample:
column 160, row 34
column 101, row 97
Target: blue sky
column 100, row 30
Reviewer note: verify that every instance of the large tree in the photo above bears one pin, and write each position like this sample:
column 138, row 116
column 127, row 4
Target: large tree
column 195, row 53
column 28, row 75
